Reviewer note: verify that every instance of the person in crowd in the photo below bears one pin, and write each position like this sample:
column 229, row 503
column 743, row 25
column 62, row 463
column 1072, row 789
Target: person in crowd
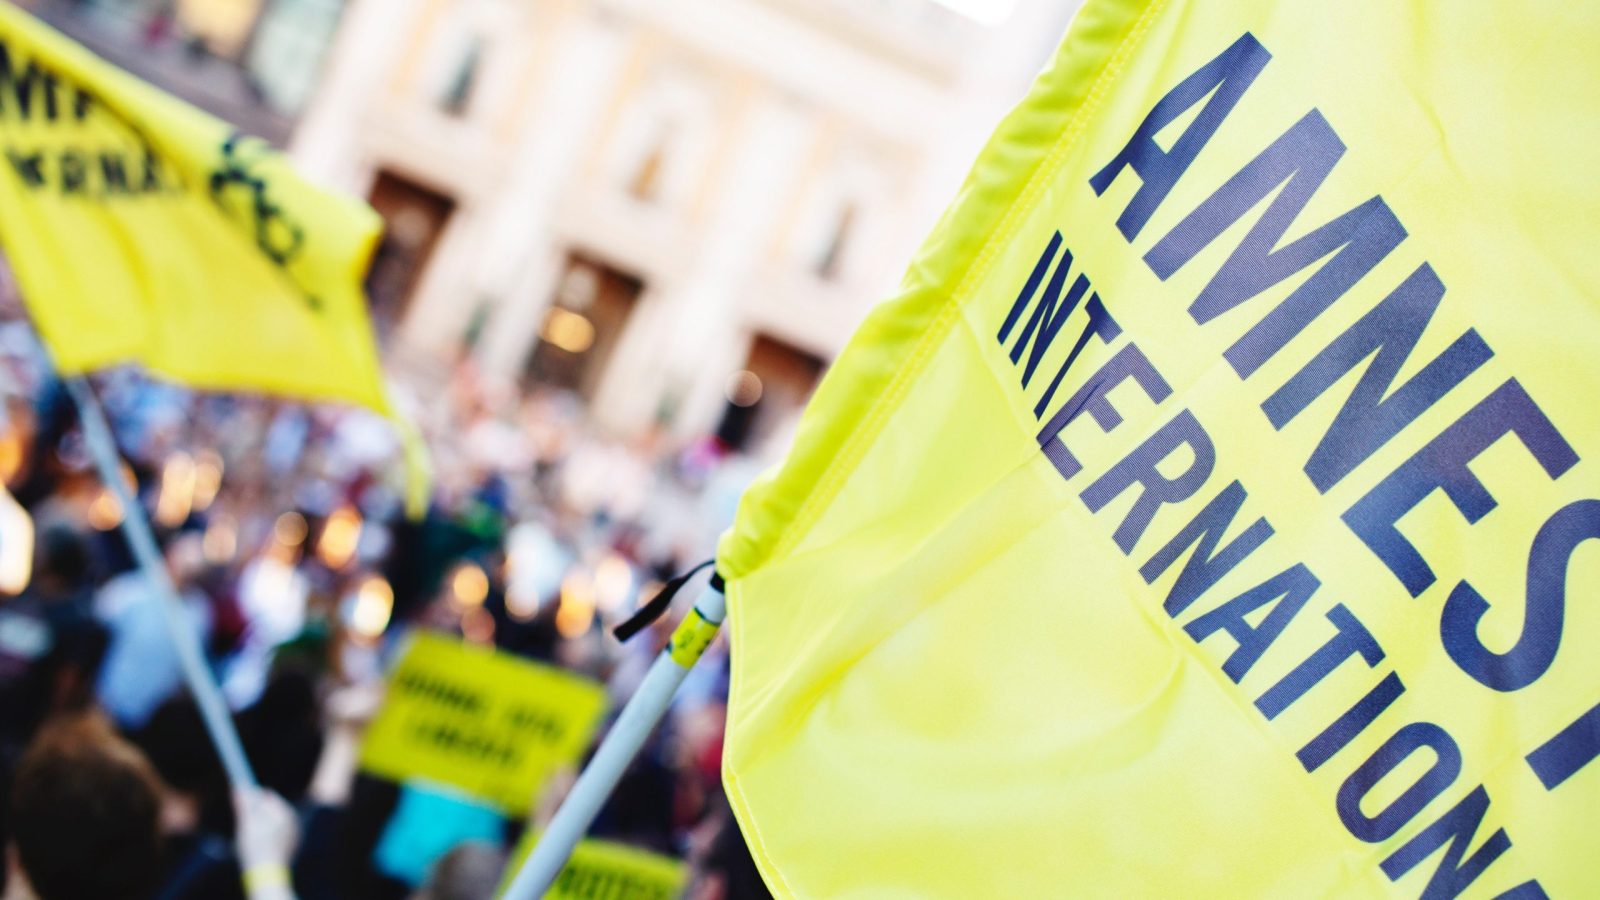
column 292, row 651
column 92, row 820
column 50, row 647
column 267, row 838
column 50, row 644
column 141, row 667
column 86, row 815
column 471, row 871
column 198, row 857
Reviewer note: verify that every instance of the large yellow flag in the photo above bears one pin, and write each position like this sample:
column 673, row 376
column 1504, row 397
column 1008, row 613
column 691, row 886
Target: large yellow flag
column 1209, row 515
column 144, row 230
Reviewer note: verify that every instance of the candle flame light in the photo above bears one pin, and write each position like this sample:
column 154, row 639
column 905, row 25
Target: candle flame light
column 576, row 613
column 177, row 490
column 207, row 478
column 16, row 545
column 290, row 529
column 374, row 603
column 613, row 583
column 469, row 586
column 341, row 535
column 105, row 513
column 12, row 454
column 221, row 542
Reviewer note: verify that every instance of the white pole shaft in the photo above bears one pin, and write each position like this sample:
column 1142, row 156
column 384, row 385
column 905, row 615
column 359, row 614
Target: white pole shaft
column 589, row 793
column 142, row 542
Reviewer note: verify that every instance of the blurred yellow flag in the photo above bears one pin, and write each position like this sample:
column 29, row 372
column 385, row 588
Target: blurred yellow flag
column 1200, row 519
column 144, row 230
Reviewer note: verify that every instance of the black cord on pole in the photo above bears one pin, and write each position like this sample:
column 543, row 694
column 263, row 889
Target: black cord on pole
column 661, row 602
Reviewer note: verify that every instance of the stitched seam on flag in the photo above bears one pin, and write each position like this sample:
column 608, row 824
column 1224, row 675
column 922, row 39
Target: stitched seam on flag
column 758, row 843
column 855, row 447
column 860, row 440
column 754, row 836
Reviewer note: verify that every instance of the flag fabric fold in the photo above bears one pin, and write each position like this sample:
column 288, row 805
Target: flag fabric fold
column 1201, row 516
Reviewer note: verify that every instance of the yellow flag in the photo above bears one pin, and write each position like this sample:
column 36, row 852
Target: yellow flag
column 144, row 230
column 1212, row 513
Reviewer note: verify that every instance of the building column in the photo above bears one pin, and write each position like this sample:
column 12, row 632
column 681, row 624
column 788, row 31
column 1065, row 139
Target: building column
column 705, row 340
column 520, row 265
column 326, row 144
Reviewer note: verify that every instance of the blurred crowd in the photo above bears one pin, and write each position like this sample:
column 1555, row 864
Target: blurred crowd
column 281, row 524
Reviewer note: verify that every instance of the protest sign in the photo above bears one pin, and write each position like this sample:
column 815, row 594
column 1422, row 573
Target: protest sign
column 489, row 723
column 603, row 870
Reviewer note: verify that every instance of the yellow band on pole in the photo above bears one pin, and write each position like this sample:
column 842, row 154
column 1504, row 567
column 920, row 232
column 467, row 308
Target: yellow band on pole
column 693, row 635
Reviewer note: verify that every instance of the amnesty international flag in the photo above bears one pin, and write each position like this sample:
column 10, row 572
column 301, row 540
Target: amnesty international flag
column 144, row 230
column 1214, row 511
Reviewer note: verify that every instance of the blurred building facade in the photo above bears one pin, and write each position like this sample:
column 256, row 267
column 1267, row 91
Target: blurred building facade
column 252, row 62
column 679, row 211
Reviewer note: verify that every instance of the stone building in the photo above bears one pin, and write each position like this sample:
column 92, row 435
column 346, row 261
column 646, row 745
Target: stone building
column 679, row 210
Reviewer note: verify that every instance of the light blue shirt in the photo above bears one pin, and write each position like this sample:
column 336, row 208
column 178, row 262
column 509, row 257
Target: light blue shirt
column 141, row 668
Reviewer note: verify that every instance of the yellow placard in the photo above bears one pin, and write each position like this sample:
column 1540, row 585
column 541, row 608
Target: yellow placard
column 604, row 870
column 491, row 724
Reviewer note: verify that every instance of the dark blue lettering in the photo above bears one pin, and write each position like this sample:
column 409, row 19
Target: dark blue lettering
column 1543, row 614
column 1574, row 747
column 1442, row 465
column 1100, row 325
column 74, row 172
column 1352, row 639
column 114, row 173
column 1456, row 827
column 1294, row 585
column 1300, row 160
column 22, row 86
column 1140, row 467
column 1129, row 363
column 1369, row 418
column 1050, row 313
column 1224, row 80
column 1206, row 565
column 30, row 167
column 1408, row 740
column 151, row 183
column 1348, row 726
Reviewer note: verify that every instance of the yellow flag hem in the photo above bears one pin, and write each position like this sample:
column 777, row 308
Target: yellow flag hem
column 893, row 346
column 887, row 353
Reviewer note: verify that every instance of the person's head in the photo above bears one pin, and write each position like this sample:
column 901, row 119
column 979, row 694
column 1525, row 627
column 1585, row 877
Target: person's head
column 469, row 871
column 61, row 561
column 85, row 813
column 195, row 794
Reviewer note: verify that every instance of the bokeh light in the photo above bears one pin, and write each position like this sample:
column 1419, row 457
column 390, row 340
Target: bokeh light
column 374, row 604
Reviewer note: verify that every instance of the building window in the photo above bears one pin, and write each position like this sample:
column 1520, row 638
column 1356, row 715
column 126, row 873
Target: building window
column 414, row 219
column 831, row 260
column 581, row 328
column 767, row 392
column 287, row 49
column 837, row 215
column 645, row 185
column 666, row 131
column 457, row 95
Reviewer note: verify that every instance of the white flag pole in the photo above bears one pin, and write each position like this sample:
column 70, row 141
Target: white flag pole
column 645, row 709
column 142, row 541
